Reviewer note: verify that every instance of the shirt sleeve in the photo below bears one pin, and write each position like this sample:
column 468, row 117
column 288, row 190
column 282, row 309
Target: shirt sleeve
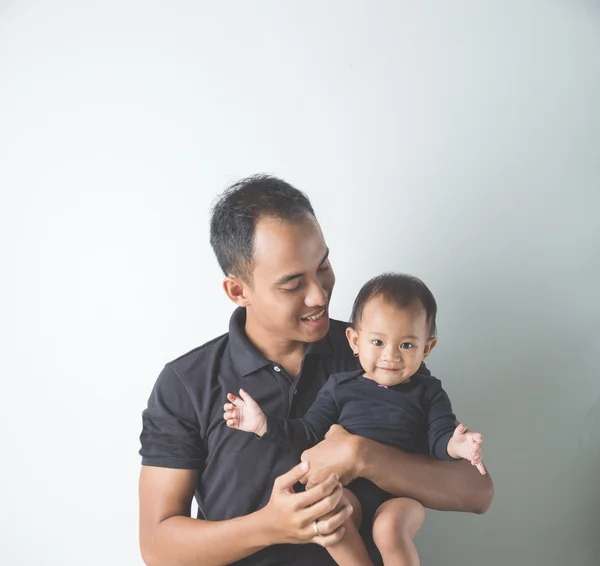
column 170, row 429
column 310, row 429
column 442, row 421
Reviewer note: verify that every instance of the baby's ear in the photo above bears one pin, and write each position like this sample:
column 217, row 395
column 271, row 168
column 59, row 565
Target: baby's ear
column 352, row 337
column 430, row 345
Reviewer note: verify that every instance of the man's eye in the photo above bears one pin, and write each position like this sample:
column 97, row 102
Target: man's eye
column 324, row 267
column 377, row 342
column 406, row 345
column 293, row 288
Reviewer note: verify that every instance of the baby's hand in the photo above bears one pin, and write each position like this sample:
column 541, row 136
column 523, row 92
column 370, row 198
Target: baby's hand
column 244, row 414
column 466, row 444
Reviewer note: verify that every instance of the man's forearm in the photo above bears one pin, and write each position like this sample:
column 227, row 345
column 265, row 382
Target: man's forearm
column 446, row 486
column 183, row 541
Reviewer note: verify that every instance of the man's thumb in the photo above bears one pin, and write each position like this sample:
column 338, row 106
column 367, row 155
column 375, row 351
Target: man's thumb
column 289, row 479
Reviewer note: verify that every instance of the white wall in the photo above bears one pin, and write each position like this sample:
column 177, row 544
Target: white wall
column 459, row 141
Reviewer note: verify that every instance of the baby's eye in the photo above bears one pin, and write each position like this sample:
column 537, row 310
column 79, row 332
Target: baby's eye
column 377, row 342
column 406, row 345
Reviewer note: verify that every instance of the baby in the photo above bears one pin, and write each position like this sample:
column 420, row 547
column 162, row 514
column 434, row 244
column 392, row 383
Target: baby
column 392, row 331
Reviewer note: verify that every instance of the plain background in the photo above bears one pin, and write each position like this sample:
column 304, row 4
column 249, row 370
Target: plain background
column 458, row 141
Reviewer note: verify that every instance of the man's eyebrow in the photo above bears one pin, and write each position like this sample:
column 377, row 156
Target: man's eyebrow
column 324, row 258
column 287, row 278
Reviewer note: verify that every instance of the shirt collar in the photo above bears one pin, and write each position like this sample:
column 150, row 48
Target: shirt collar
column 248, row 359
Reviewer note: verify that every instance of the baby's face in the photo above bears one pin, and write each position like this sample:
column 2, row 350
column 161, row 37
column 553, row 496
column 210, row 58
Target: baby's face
column 391, row 342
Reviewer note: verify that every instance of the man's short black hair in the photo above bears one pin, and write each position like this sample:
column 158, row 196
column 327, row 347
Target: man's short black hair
column 399, row 290
column 238, row 209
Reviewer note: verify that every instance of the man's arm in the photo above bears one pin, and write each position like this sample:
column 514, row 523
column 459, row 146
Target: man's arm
column 170, row 537
column 446, row 486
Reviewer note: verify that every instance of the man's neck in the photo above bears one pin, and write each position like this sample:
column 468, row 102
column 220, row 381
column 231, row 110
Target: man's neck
column 285, row 352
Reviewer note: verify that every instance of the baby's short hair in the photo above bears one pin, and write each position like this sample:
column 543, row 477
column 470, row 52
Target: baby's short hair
column 400, row 290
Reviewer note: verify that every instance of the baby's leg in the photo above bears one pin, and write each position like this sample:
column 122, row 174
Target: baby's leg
column 396, row 523
column 351, row 550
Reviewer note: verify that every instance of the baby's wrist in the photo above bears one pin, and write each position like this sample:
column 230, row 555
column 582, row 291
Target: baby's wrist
column 262, row 429
column 451, row 450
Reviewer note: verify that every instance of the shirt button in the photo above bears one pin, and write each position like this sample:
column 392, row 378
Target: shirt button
column 295, row 391
column 277, row 368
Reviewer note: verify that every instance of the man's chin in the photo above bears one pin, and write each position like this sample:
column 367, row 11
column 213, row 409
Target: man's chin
column 313, row 331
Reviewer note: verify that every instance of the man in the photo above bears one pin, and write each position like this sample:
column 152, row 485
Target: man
column 281, row 347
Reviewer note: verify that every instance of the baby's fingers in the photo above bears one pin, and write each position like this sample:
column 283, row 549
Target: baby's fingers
column 235, row 399
column 475, row 453
column 481, row 468
column 231, row 417
column 477, row 437
column 476, row 459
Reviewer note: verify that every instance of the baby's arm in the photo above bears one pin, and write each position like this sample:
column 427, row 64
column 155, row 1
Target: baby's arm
column 243, row 413
column 446, row 440
column 466, row 444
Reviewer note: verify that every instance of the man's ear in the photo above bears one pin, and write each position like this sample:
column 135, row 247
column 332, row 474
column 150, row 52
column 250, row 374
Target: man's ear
column 236, row 290
column 352, row 337
column 430, row 345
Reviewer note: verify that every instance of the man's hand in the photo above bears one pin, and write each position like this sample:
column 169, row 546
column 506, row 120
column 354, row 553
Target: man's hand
column 336, row 454
column 291, row 516
column 244, row 414
column 168, row 535
column 467, row 445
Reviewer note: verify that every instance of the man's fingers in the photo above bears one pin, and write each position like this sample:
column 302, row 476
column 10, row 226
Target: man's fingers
column 318, row 492
column 331, row 539
column 325, row 508
column 481, row 468
column 332, row 521
column 287, row 480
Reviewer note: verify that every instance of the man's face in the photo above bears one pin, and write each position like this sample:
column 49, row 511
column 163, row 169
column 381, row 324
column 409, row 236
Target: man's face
column 391, row 342
column 292, row 280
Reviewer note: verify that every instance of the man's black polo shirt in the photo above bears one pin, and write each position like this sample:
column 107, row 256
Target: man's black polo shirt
column 183, row 426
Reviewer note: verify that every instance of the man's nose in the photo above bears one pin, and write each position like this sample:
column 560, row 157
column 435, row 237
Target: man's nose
column 316, row 296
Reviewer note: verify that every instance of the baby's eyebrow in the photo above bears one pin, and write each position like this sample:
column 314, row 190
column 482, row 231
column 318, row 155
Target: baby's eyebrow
column 409, row 337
